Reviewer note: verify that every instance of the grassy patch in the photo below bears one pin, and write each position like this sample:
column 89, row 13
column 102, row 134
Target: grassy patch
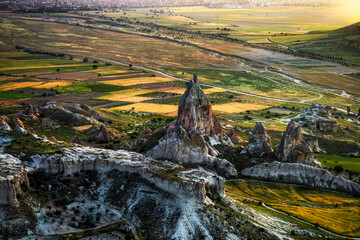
column 14, row 95
column 331, row 161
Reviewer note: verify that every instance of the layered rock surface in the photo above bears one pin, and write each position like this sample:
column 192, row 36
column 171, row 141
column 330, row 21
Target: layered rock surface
column 301, row 174
column 259, row 144
column 187, row 140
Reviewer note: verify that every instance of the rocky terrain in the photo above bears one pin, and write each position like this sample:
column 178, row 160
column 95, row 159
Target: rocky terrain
column 190, row 139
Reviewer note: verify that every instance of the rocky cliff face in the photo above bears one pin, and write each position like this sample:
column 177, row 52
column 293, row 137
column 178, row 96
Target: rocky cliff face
column 188, row 139
column 301, row 174
column 259, row 144
column 12, row 176
column 293, row 149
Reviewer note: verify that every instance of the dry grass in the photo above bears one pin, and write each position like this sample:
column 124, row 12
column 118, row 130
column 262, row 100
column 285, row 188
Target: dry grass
column 136, row 81
column 236, row 107
column 177, row 90
column 125, row 95
column 148, row 107
column 16, row 85
column 52, row 84
column 213, row 90
column 344, row 220
column 82, row 128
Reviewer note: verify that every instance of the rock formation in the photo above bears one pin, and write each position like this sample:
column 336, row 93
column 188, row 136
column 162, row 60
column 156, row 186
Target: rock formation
column 235, row 139
column 187, row 140
column 6, row 127
column 12, row 175
column 317, row 118
column 52, row 139
column 293, row 149
column 301, row 174
column 259, row 144
column 76, row 140
column 146, row 133
column 18, row 122
column 27, row 114
column 19, row 129
column 103, row 135
column 31, row 130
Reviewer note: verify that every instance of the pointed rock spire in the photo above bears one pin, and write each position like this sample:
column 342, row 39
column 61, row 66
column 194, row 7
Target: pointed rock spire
column 195, row 114
column 259, row 144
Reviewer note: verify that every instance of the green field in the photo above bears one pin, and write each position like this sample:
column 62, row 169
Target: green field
column 331, row 161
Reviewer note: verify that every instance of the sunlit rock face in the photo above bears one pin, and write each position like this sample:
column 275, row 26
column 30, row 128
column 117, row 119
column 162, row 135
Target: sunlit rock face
column 293, row 149
column 188, row 139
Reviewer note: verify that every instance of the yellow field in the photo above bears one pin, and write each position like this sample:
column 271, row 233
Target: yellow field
column 236, row 107
column 213, row 90
column 136, row 81
column 16, row 85
column 52, row 84
column 148, row 107
column 82, row 128
column 177, row 90
column 348, row 223
column 130, row 95
column 338, row 212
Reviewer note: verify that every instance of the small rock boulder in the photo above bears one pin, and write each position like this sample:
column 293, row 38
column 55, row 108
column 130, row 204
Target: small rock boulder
column 18, row 122
column 146, row 133
column 19, row 129
column 76, row 140
column 259, row 144
column 52, row 139
column 235, row 139
column 103, row 136
column 6, row 127
column 31, row 130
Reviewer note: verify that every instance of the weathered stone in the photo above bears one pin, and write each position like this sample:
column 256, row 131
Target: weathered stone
column 187, row 140
column 146, row 132
column 19, row 129
column 31, row 130
column 12, row 175
column 326, row 125
column 76, row 140
column 293, row 149
column 18, row 122
column 6, row 127
column 301, row 174
column 259, row 144
column 235, row 139
column 52, row 139
column 103, row 135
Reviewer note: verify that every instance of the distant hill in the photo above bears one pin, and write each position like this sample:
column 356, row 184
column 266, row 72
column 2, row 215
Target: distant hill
column 341, row 43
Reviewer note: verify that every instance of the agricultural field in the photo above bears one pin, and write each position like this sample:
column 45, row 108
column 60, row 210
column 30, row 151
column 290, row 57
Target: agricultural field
column 336, row 212
column 181, row 60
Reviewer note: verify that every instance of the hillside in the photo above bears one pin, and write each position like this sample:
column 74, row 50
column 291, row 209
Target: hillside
column 341, row 43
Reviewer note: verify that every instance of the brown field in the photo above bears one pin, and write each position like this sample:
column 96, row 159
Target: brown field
column 52, row 84
column 137, row 81
column 236, row 107
column 16, row 85
column 126, row 94
column 148, row 107
column 67, row 75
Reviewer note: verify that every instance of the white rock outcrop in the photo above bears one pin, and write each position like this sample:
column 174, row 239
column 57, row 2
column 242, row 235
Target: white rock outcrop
column 298, row 173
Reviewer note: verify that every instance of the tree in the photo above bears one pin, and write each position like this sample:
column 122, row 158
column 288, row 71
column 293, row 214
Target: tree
column 348, row 109
column 95, row 66
column 86, row 59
